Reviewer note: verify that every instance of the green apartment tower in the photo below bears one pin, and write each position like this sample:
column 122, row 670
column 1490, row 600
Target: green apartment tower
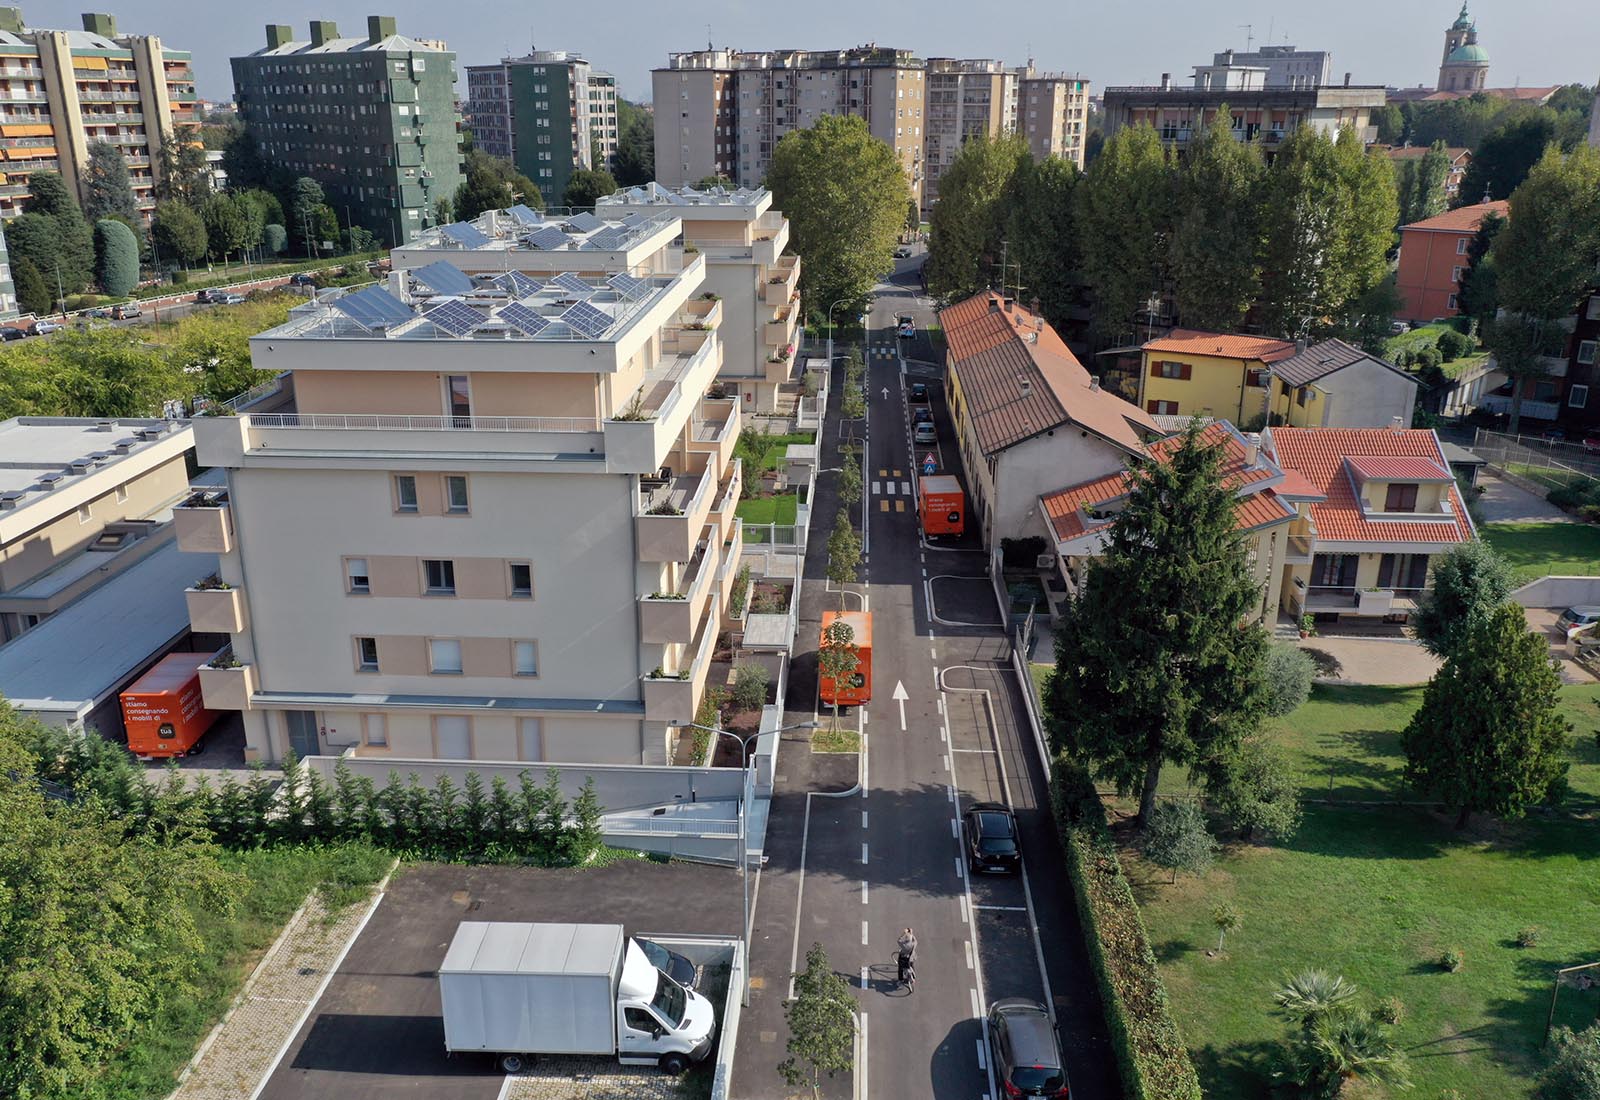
column 373, row 120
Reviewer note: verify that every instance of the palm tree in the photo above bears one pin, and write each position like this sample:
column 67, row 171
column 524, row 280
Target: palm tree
column 1341, row 1047
column 1312, row 995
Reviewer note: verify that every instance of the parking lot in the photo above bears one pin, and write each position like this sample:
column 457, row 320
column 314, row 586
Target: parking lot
column 377, row 1031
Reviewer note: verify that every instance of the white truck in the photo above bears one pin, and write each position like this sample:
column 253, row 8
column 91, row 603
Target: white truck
column 520, row 990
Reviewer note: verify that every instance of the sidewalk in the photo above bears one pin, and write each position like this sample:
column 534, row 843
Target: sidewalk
column 243, row 1049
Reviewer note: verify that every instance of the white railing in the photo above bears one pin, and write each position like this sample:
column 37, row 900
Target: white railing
column 380, row 422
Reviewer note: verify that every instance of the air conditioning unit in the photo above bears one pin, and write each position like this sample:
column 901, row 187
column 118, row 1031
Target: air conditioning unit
column 1045, row 561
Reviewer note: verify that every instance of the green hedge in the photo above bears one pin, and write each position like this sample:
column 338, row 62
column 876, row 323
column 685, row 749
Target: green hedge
column 1151, row 1058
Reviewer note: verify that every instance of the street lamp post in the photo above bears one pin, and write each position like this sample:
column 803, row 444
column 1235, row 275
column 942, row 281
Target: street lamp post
column 744, row 827
column 831, row 308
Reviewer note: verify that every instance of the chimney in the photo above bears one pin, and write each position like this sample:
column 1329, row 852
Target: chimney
column 1026, row 386
column 100, row 23
column 1347, row 80
column 994, row 305
column 1094, row 385
column 1252, row 455
column 323, row 31
column 1396, row 425
column 1166, row 82
column 1227, row 57
column 380, row 27
column 278, row 34
column 1011, row 303
column 1300, row 346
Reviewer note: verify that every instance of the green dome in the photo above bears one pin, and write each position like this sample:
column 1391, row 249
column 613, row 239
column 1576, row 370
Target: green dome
column 1469, row 53
column 1463, row 21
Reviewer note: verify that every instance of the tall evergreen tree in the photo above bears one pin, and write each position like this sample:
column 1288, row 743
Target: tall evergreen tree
column 1503, row 159
column 968, row 221
column 1160, row 659
column 1419, row 184
column 71, row 263
column 116, row 257
column 1467, row 585
column 182, row 174
column 1216, row 268
column 1124, row 218
column 107, row 190
column 33, row 294
column 1480, row 297
column 635, row 159
column 1489, row 736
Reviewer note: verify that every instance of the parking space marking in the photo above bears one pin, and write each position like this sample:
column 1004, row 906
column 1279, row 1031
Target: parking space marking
column 1001, row 908
column 983, row 1056
column 905, row 487
column 976, row 1011
column 964, row 917
column 958, row 866
column 946, row 761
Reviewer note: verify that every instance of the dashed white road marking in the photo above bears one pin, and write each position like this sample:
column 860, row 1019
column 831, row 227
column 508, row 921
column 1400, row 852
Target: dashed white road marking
column 976, row 1010
column 955, row 828
column 863, row 977
column 968, row 945
column 863, row 819
column 983, row 1055
column 863, row 933
column 863, row 852
column 958, row 866
column 863, row 891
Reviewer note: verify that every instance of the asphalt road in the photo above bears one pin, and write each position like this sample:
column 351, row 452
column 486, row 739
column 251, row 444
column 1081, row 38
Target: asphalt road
column 888, row 855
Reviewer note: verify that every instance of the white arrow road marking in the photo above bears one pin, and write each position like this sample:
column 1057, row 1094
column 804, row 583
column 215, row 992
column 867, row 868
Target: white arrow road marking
column 886, row 393
column 900, row 696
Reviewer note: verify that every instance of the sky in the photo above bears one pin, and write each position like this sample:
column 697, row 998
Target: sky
column 1395, row 42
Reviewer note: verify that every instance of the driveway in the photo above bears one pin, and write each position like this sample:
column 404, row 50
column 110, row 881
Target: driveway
column 1542, row 620
column 1367, row 660
column 1503, row 502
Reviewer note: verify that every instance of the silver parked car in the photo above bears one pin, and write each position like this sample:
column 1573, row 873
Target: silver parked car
column 1580, row 615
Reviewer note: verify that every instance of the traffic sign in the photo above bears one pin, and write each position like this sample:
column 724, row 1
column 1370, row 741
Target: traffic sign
column 929, row 463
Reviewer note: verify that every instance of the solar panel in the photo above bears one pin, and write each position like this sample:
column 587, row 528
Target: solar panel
column 582, row 223
column 524, row 319
column 455, row 317
column 629, row 286
column 373, row 307
column 524, row 215
column 443, row 278
column 465, row 234
column 586, row 319
column 518, row 284
column 607, row 240
column 548, row 238
column 572, row 285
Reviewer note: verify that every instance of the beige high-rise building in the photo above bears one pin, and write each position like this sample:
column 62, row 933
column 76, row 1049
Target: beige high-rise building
column 721, row 112
column 497, row 521
column 964, row 98
column 742, row 239
column 1053, row 114
column 65, row 91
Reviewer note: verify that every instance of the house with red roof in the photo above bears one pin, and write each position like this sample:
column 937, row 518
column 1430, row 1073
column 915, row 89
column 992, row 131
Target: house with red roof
column 1374, row 507
column 1332, row 384
column 1188, row 372
column 1027, row 415
column 1433, row 257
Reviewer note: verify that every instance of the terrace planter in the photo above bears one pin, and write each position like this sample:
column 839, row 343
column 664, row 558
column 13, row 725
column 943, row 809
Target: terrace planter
column 227, row 688
column 1375, row 603
column 216, row 610
column 204, row 529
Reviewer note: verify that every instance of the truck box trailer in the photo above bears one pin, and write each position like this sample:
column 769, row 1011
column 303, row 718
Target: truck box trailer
column 163, row 711
column 520, row 990
column 941, row 506
column 858, row 689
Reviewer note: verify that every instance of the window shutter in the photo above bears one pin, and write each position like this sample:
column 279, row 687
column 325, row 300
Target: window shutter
column 1186, row 371
column 1155, row 368
column 1152, row 407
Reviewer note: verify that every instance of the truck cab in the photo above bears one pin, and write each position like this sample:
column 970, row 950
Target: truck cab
column 659, row 1022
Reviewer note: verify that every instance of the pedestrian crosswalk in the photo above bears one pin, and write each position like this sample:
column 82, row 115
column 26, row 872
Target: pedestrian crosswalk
column 884, row 353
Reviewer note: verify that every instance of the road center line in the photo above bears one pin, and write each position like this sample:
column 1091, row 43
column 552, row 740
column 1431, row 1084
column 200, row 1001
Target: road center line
column 863, row 891
column 863, row 819
column 863, row 852
column 863, row 933
column 863, row 977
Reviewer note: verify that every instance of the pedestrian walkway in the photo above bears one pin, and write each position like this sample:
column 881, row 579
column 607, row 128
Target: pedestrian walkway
column 240, row 1052
column 1503, row 502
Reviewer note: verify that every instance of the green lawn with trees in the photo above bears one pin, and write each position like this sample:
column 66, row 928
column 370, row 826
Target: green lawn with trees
column 1378, row 893
column 1546, row 549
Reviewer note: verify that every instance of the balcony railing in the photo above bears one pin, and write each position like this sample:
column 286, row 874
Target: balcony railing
column 384, row 423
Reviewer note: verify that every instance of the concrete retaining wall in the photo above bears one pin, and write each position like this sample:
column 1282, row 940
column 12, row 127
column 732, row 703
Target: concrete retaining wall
column 1558, row 592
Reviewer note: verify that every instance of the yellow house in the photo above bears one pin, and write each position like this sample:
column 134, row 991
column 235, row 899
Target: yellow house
column 1331, row 384
column 1191, row 373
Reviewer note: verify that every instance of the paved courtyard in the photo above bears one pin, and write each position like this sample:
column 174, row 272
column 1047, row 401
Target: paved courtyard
column 1372, row 660
column 1503, row 502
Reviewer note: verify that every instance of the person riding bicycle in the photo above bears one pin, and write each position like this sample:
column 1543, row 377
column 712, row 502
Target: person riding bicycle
column 907, row 957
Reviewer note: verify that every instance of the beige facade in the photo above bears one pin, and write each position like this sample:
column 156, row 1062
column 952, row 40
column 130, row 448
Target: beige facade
column 964, row 99
column 1053, row 115
column 509, row 543
column 65, row 91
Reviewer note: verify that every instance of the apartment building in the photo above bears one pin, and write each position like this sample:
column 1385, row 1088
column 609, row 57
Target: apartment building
column 1053, row 114
column 1256, row 110
column 1283, row 65
column 373, row 120
column 962, row 100
column 721, row 112
column 63, row 91
column 547, row 112
column 8, row 286
column 1433, row 258
column 498, row 520
column 742, row 239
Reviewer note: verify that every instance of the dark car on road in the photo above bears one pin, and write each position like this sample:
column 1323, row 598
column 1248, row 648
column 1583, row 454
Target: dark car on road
column 919, row 391
column 300, row 278
column 11, row 332
column 923, row 415
column 673, row 965
column 991, row 834
column 1024, row 1052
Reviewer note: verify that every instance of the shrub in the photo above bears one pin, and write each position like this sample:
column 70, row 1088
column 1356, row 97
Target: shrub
column 1176, row 838
column 116, row 252
column 1453, row 345
column 1428, row 357
column 1529, row 936
column 179, row 276
column 1256, row 791
column 275, row 239
column 1453, row 959
column 1289, row 671
column 740, row 593
column 1391, row 1010
column 1574, row 1073
column 1403, row 358
column 750, row 686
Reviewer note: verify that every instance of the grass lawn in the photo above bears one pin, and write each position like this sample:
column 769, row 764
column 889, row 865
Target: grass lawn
column 1541, row 549
column 1376, row 894
column 278, row 880
column 1041, row 680
column 774, row 445
column 824, row 739
column 781, row 509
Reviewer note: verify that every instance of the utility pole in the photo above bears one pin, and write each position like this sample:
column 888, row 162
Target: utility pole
column 1249, row 35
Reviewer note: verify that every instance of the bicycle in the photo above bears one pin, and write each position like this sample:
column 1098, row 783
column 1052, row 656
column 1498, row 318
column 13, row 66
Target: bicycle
column 908, row 972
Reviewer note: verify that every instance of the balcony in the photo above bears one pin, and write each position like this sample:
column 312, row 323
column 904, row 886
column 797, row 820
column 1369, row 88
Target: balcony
column 783, row 280
column 725, row 511
column 670, row 618
column 639, row 437
column 1299, row 551
column 227, row 688
column 673, row 695
column 732, row 551
column 204, row 523
column 214, row 609
column 1552, row 366
column 779, row 332
column 671, row 515
column 716, row 430
column 1349, row 600
column 772, row 236
column 780, row 368
column 700, row 314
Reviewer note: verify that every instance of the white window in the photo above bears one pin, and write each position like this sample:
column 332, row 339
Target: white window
column 405, row 493
column 521, row 580
column 1455, row 274
column 439, row 576
column 444, row 655
column 366, row 655
column 525, row 658
column 1586, row 352
column 1461, row 246
column 1578, row 396
column 1451, row 304
column 375, row 731
column 452, row 737
column 530, row 739
column 357, row 580
column 455, row 494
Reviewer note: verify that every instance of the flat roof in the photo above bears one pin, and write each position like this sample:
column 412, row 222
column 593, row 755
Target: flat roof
column 654, row 194
column 37, row 452
column 522, row 228
column 74, row 660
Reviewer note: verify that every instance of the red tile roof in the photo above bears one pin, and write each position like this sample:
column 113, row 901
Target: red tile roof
column 1417, row 152
column 1297, row 485
column 1397, row 468
column 1319, row 454
column 1190, row 341
column 1018, row 379
column 1463, row 219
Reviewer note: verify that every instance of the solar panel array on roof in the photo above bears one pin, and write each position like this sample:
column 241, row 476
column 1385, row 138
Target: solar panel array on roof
column 607, row 240
column 586, row 319
column 465, row 234
column 524, row 214
column 572, row 284
column 373, row 307
column 547, row 238
column 518, row 284
column 583, row 222
column 443, row 278
column 455, row 317
column 524, row 319
column 629, row 286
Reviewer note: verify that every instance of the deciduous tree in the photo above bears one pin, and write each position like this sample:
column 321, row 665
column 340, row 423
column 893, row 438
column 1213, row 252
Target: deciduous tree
column 1505, row 157
column 587, row 185
column 1216, row 268
column 492, row 183
column 1124, row 219
column 635, row 159
column 1306, row 212
column 844, row 193
column 1419, row 184
column 844, row 552
column 1040, row 238
column 822, row 1025
column 1176, row 837
column 968, row 222
column 1489, row 736
column 178, row 233
column 1480, row 295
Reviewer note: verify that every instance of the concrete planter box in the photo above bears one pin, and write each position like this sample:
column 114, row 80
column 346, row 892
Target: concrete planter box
column 216, row 610
column 204, row 529
column 666, row 620
column 779, row 334
column 227, row 688
column 670, row 699
column 1375, row 603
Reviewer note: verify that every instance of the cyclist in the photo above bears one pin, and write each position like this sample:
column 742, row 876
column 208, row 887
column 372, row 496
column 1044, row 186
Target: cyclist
column 907, row 958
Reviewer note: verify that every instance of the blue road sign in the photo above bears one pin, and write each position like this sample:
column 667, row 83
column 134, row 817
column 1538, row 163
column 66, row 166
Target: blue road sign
column 929, row 464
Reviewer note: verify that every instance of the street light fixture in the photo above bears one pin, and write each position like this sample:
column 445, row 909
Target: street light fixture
column 744, row 826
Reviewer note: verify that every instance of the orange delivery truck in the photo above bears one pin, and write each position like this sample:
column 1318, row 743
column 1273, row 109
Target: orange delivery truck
column 163, row 711
column 858, row 689
column 941, row 506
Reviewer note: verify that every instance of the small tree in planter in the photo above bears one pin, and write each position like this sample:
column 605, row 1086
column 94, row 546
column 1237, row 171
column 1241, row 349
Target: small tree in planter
column 837, row 656
column 844, row 553
column 750, row 686
column 822, row 1025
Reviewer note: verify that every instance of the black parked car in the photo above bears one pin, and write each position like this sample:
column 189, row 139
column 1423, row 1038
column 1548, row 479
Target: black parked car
column 11, row 332
column 991, row 836
column 670, row 963
column 1024, row 1052
column 919, row 391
